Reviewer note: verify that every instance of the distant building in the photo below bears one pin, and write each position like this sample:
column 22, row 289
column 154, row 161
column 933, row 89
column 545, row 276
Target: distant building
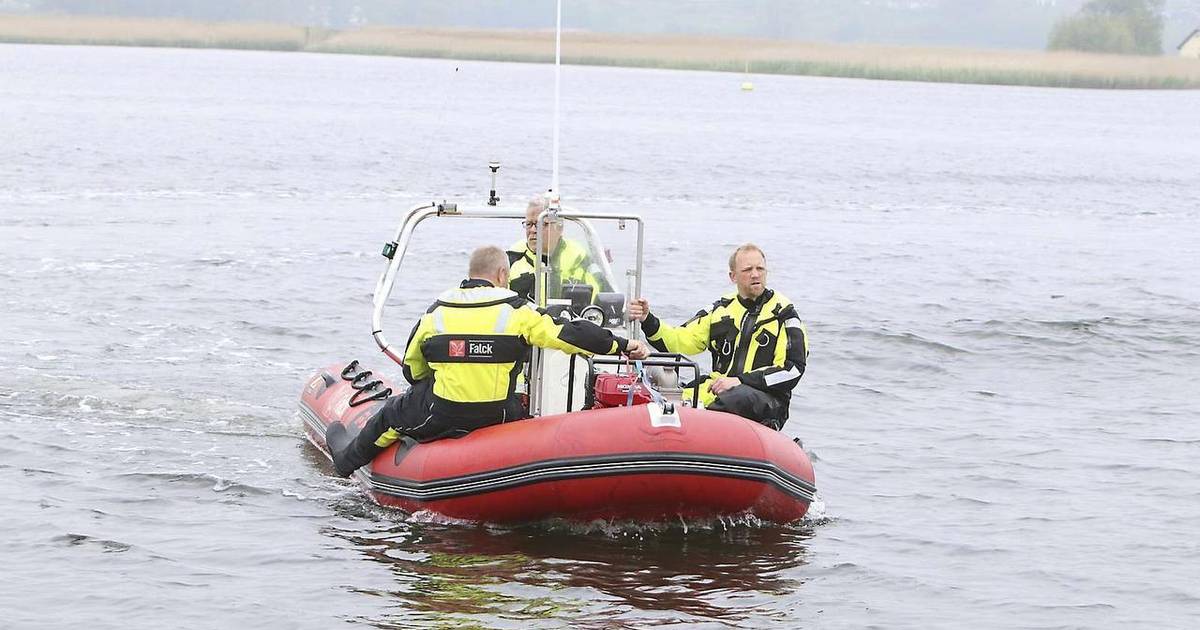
column 1191, row 45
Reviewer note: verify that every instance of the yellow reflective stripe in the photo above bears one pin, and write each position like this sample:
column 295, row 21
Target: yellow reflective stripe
column 439, row 321
column 502, row 320
column 781, row 346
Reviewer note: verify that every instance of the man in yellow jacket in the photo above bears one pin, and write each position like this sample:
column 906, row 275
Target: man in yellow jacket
column 463, row 359
column 568, row 260
column 758, row 344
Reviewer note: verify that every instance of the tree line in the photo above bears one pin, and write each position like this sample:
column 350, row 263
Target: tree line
column 1112, row 26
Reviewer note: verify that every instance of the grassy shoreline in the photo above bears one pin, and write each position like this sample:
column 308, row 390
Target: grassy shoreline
column 945, row 65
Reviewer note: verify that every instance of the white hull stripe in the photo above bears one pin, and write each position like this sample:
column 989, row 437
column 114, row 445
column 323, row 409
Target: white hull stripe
column 310, row 418
column 585, row 467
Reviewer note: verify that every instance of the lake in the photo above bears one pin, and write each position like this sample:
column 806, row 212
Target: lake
column 1000, row 287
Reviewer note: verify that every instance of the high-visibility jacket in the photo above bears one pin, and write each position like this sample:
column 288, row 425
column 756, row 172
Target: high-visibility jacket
column 570, row 262
column 762, row 342
column 474, row 341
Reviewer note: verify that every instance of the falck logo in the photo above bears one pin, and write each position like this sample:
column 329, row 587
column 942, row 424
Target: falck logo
column 458, row 348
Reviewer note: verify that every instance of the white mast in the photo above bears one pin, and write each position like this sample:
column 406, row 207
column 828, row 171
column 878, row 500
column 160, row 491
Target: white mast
column 557, row 66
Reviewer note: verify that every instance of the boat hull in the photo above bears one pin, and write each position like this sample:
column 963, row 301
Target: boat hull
column 623, row 463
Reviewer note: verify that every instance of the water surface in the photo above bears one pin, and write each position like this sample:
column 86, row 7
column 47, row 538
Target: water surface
column 999, row 285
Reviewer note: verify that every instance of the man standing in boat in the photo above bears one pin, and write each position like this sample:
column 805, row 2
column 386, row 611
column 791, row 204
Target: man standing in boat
column 568, row 260
column 758, row 343
column 463, row 359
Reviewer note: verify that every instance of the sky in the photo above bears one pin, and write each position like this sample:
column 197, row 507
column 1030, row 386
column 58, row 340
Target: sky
column 1019, row 24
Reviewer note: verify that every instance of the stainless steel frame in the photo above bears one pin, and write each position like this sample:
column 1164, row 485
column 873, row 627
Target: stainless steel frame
column 419, row 213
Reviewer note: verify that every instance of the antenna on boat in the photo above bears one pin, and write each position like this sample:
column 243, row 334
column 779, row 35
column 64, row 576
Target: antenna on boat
column 549, row 213
column 492, row 198
column 557, row 68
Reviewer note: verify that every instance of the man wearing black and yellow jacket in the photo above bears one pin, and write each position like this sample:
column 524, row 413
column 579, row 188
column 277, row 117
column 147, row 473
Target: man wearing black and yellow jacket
column 758, row 343
column 568, row 261
column 463, row 359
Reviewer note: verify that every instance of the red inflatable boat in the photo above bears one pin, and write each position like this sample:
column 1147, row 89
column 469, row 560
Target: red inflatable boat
column 629, row 459
column 623, row 463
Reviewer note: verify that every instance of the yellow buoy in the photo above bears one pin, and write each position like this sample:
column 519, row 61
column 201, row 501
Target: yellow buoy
column 747, row 86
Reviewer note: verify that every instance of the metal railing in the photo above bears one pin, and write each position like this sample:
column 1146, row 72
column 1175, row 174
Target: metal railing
column 398, row 247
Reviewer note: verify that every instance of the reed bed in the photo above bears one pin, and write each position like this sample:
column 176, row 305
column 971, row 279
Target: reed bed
column 99, row 31
column 951, row 65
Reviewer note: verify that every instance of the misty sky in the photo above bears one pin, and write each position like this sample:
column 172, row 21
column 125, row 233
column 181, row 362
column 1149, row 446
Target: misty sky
column 975, row 23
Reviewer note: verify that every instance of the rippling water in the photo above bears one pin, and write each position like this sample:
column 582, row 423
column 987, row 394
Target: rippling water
column 1000, row 286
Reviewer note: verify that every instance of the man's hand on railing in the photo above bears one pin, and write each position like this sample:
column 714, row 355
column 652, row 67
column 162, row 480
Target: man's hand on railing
column 637, row 350
column 638, row 309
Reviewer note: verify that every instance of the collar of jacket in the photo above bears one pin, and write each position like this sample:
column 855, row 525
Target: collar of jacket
column 531, row 256
column 757, row 303
column 471, row 283
column 475, row 293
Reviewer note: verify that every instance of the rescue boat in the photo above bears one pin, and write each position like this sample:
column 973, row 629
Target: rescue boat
column 600, row 444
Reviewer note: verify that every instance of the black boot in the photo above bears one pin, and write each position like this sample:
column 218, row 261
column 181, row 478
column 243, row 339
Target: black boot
column 350, row 454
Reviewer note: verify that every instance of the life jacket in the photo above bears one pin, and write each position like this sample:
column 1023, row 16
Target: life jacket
column 569, row 263
column 762, row 341
column 474, row 341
